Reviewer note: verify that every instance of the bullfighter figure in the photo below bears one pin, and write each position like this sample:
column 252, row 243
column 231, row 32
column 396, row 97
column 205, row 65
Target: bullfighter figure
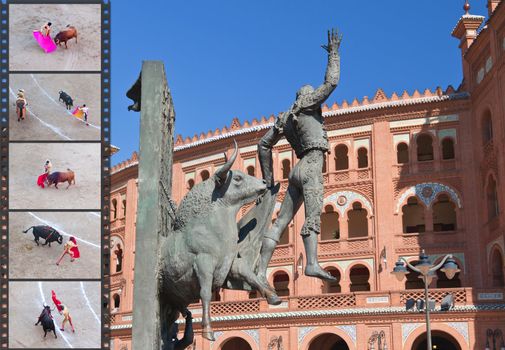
column 302, row 125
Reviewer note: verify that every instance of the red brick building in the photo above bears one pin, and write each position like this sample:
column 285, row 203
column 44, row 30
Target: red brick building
column 410, row 171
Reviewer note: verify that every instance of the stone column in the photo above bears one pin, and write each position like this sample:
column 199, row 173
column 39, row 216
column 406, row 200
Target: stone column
column 155, row 182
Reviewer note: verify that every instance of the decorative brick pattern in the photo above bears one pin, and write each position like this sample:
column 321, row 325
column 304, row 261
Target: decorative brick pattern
column 326, row 302
column 233, row 308
column 437, row 295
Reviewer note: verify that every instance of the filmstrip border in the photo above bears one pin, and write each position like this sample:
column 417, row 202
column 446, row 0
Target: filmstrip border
column 106, row 154
column 4, row 171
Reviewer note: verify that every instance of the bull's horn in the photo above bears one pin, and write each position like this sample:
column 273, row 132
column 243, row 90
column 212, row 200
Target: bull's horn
column 223, row 171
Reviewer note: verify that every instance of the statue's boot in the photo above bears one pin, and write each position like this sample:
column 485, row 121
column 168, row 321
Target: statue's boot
column 312, row 267
column 208, row 334
column 272, row 298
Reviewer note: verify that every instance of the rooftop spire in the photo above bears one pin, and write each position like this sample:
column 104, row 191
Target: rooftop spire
column 466, row 7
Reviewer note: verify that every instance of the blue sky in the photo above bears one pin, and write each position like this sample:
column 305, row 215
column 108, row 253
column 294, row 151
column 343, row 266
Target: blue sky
column 227, row 59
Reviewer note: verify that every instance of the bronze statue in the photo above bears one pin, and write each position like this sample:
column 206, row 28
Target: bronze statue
column 302, row 125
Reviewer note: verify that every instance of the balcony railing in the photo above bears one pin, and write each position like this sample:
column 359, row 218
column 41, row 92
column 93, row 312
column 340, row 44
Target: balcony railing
column 440, row 239
column 462, row 297
column 362, row 300
column 283, row 252
column 341, row 246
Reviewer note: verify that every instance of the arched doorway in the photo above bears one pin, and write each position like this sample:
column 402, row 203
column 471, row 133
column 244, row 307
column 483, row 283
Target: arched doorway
column 439, row 340
column 328, row 341
column 236, row 343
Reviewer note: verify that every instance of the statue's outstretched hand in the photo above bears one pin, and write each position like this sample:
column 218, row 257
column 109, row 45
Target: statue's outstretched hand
column 334, row 40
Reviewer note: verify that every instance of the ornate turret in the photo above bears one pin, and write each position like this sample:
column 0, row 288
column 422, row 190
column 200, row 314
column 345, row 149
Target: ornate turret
column 466, row 29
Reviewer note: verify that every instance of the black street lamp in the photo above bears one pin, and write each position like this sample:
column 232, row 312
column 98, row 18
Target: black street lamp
column 494, row 336
column 380, row 337
column 427, row 270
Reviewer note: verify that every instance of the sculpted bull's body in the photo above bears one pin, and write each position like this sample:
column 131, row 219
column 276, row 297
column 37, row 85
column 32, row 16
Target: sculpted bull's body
column 196, row 257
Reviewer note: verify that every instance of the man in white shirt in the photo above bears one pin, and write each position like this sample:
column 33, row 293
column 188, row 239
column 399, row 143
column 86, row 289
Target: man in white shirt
column 84, row 110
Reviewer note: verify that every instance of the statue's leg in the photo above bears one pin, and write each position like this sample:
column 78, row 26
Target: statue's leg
column 204, row 271
column 313, row 190
column 245, row 272
column 289, row 207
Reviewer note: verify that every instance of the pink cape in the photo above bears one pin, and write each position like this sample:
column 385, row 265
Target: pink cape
column 78, row 113
column 45, row 42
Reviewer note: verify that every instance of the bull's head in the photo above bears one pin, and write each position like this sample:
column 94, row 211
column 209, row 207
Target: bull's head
column 236, row 187
column 56, row 40
column 60, row 237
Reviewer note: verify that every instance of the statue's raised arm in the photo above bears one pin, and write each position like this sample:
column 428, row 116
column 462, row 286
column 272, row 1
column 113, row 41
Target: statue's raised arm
column 311, row 97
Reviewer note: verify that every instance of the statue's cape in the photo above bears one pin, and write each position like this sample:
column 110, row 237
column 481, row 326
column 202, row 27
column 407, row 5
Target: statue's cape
column 252, row 227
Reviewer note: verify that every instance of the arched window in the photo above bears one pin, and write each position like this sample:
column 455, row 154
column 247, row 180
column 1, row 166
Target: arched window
column 447, row 148
column 359, row 279
column 492, row 198
column 124, row 207
column 325, row 165
column 412, row 280
column 402, row 153
column 424, row 148
column 330, row 228
column 413, row 216
column 204, row 175
column 250, row 170
column 286, row 168
column 235, row 343
column 498, row 279
column 341, row 157
column 357, row 221
column 191, row 183
column 362, row 158
column 444, row 214
column 332, row 286
column 117, row 300
column 487, row 128
column 114, row 208
column 281, row 284
column 118, row 252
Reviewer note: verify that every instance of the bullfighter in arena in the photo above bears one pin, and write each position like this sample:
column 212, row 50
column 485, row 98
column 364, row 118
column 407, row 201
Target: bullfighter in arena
column 71, row 248
column 63, row 310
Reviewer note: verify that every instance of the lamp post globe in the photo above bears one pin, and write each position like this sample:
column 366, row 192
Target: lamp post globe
column 399, row 270
column 424, row 263
column 450, row 268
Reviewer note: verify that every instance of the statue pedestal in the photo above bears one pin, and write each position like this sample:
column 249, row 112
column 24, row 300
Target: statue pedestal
column 154, row 188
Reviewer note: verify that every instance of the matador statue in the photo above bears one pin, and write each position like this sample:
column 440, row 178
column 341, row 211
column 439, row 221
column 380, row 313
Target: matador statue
column 302, row 125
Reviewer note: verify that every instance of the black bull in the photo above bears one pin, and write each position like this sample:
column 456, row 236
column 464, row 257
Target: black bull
column 46, row 232
column 46, row 320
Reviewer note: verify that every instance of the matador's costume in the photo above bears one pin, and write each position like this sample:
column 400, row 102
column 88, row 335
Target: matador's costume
column 303, row 128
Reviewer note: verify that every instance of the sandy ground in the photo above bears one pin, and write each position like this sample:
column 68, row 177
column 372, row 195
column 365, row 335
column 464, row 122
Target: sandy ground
column 26, row 54
column 26, row 303
column 85, row 227
column 26, row 163
column 47, row 118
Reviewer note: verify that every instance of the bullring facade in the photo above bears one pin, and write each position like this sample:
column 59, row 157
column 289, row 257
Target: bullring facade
column 406, row 172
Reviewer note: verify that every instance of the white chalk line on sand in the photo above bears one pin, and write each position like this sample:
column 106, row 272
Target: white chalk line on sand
column 89, row 304
column 95, row 214
column 59, row 105
column 45, row 222
column 56, row 326
column 47, row 125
